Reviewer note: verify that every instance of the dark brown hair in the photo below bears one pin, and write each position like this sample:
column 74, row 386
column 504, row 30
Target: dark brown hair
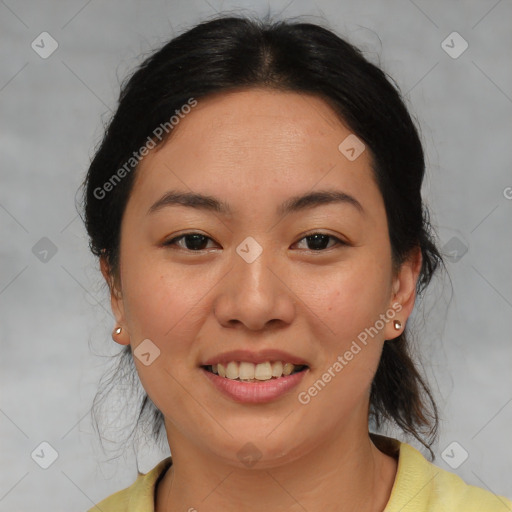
column 229, row 53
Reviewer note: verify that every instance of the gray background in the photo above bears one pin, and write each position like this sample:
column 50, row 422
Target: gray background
column 55, row 315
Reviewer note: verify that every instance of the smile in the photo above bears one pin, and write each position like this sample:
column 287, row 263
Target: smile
column 250, row 372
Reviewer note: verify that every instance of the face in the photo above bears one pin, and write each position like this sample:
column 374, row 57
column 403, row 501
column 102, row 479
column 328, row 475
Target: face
column 315, row 280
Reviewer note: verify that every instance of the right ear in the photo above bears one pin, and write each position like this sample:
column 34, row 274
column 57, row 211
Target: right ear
column 116, row 301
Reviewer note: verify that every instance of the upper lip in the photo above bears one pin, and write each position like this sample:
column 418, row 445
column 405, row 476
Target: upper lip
column 261, row 356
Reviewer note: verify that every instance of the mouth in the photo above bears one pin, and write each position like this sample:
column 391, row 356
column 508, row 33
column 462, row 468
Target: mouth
column 250, row 383
column 244, row 371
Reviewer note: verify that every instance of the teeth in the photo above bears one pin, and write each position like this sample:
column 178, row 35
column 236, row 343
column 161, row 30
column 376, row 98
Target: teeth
column 246, row 371
column 263, row 371
column 288, row 368
column 250, row 372
column 277, row 369
column 232, row 370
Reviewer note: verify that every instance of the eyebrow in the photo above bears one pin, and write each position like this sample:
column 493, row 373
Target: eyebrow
column 291, row 205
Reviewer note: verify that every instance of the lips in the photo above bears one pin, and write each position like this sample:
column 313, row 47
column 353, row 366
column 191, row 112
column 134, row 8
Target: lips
column 287, row 371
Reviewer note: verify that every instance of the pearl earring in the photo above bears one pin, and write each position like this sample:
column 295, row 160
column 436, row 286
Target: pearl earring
column 118, row 330
column 397, row 324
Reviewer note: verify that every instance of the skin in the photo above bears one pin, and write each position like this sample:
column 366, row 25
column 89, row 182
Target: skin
column 254, row 149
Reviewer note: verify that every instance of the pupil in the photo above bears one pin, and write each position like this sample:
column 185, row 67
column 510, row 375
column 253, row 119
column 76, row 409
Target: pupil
column 316, row 238
column 198, row 242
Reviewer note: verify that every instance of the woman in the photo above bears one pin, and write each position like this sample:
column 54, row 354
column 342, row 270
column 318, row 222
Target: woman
column 256, row 208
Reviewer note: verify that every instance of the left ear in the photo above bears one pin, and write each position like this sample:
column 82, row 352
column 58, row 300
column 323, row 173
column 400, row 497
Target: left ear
column 404, row 292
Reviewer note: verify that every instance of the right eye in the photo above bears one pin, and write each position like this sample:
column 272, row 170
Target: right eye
column 193, row 242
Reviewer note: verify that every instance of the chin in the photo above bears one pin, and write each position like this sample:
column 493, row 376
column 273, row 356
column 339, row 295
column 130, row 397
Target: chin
column 257, row 450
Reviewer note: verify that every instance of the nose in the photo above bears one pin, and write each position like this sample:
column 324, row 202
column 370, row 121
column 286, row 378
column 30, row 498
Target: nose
column 255, row 294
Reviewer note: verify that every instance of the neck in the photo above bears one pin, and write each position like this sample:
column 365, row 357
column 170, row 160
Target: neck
column 344, row 474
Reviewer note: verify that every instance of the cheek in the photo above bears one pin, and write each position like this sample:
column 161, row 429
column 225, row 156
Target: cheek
column 160, row 300
column 351, row 304
column 163, row 304
column 355, row 296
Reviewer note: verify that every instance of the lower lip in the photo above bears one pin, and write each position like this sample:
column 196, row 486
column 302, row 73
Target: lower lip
column 255, row 392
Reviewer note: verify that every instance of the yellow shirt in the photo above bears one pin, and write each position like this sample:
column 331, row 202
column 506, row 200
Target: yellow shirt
column 419, row 486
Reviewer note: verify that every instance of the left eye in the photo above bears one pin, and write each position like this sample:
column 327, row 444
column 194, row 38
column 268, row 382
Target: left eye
column 318, row 241
column 196, row 241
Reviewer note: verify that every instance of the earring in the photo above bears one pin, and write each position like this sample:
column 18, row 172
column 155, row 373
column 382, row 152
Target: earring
column 397, row 324
column 118, row 330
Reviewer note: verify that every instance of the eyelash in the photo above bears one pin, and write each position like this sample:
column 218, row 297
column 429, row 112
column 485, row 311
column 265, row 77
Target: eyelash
column 174, row 240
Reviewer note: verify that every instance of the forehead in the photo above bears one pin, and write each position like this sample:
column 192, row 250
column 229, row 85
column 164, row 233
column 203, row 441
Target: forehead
column 256, row 142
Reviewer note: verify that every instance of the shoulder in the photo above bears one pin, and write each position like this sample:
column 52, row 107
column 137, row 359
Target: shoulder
column 140, row 496
column 421, row 486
